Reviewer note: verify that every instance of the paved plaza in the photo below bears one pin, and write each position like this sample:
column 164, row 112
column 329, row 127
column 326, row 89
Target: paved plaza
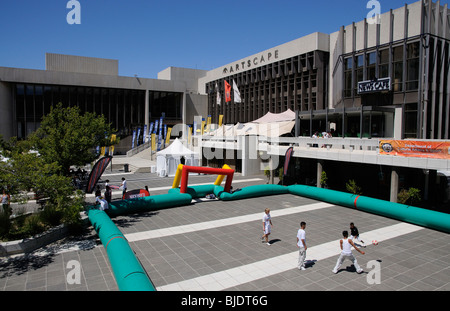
column 214, row 245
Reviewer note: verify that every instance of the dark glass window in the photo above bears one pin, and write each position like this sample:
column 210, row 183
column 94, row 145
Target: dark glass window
column 412, row 66
column 398, row 68
column 411, row 120
column 359, row 70
column 383, row 69
column 348, row 66
column 371, row 65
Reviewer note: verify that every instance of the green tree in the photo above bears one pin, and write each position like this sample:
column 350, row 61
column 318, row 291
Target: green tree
column 24, row 171
column 411, row 196
column 69, row 138
column 352, row 187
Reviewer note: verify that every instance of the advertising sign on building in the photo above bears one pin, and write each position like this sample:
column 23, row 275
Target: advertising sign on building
column 379, row 85
column 411, row 148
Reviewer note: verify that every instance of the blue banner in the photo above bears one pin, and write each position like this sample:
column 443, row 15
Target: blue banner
column 133, row 139
column 137, row 137
column 144, row 139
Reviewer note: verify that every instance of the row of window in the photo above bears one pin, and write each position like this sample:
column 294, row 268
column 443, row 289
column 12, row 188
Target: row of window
column 124, row 109
column 354, row 67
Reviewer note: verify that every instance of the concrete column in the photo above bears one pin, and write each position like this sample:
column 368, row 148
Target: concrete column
column 319, row 173
column 250, row 161
column 394, row 185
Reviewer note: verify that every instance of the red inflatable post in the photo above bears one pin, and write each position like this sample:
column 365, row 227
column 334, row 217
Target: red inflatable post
column 205, row 170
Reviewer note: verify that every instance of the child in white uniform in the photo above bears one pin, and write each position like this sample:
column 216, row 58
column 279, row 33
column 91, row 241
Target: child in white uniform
column 267, row 225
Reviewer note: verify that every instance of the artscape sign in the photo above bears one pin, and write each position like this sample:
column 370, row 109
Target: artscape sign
column 378, row 85
column 251, row 62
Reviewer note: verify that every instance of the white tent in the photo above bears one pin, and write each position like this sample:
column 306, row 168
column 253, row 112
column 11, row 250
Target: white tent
column 167, row 160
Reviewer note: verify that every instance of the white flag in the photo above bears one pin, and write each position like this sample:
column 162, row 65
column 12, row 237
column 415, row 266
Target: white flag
column 219, row 99
column 237, row 94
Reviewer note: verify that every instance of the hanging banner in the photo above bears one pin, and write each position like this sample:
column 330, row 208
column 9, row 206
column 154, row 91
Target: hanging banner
column 160, row 134
column 220, row 120
column 420, row 149
column 145, row 138
column 133, row 139
column 227, row 92
column 153, row 141
column 137, row 137
column 111, row 149
column 169, row 131
column 208, row 124
column 190, row 135
column 194, row 126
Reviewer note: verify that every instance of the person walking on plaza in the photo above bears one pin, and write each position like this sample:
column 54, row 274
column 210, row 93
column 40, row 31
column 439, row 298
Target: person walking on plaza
column 354, row 234
column 346, row 253
column 108, row 194
column 6, row 202
column 124, row 187
column 301, row 244
column 267, row 225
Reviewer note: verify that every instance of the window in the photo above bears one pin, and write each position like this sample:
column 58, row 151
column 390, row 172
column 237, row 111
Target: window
column 383, row 68
column 348, row 66
column 412, row 66
column 359, row 69
column 411, row 120
column 398, row 68
column 371, row 60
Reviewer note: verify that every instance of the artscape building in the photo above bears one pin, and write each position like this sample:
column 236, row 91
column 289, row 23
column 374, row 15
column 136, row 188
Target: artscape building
column 367, row 83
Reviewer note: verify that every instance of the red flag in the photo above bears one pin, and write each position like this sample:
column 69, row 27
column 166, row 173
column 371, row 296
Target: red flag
column 227, row 92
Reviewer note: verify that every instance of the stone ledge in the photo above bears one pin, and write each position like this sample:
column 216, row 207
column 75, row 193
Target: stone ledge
column 29, row 245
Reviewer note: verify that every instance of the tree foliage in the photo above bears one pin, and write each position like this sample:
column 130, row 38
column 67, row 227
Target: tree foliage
column 69, row 138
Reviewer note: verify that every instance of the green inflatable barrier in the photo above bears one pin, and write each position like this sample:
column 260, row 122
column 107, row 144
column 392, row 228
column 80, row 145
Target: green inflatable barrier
column 144, row 204
column 250, row 192
column 199, row 191
column 411, row 214
column 128, row 272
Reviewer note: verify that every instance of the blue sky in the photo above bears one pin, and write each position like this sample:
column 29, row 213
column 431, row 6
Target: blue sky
column 147, row 36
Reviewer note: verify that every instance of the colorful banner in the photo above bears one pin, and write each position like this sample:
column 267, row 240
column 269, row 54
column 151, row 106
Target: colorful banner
column 169, row 132
column 227, row 92
column 153, row 141
column 287, row 159
column 411, row 148
column 111, row 149
column 96, row 173
column 190, row 135
column 220, row 120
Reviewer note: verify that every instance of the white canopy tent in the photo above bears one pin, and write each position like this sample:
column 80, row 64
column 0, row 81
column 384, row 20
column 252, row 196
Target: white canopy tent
column 167, row 160
column 270, row 125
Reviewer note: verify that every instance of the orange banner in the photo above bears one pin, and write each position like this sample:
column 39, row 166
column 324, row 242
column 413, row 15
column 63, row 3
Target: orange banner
column 411, row 148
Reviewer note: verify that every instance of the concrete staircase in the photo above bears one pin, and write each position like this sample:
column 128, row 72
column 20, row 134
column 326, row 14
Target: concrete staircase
column 138, row 163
